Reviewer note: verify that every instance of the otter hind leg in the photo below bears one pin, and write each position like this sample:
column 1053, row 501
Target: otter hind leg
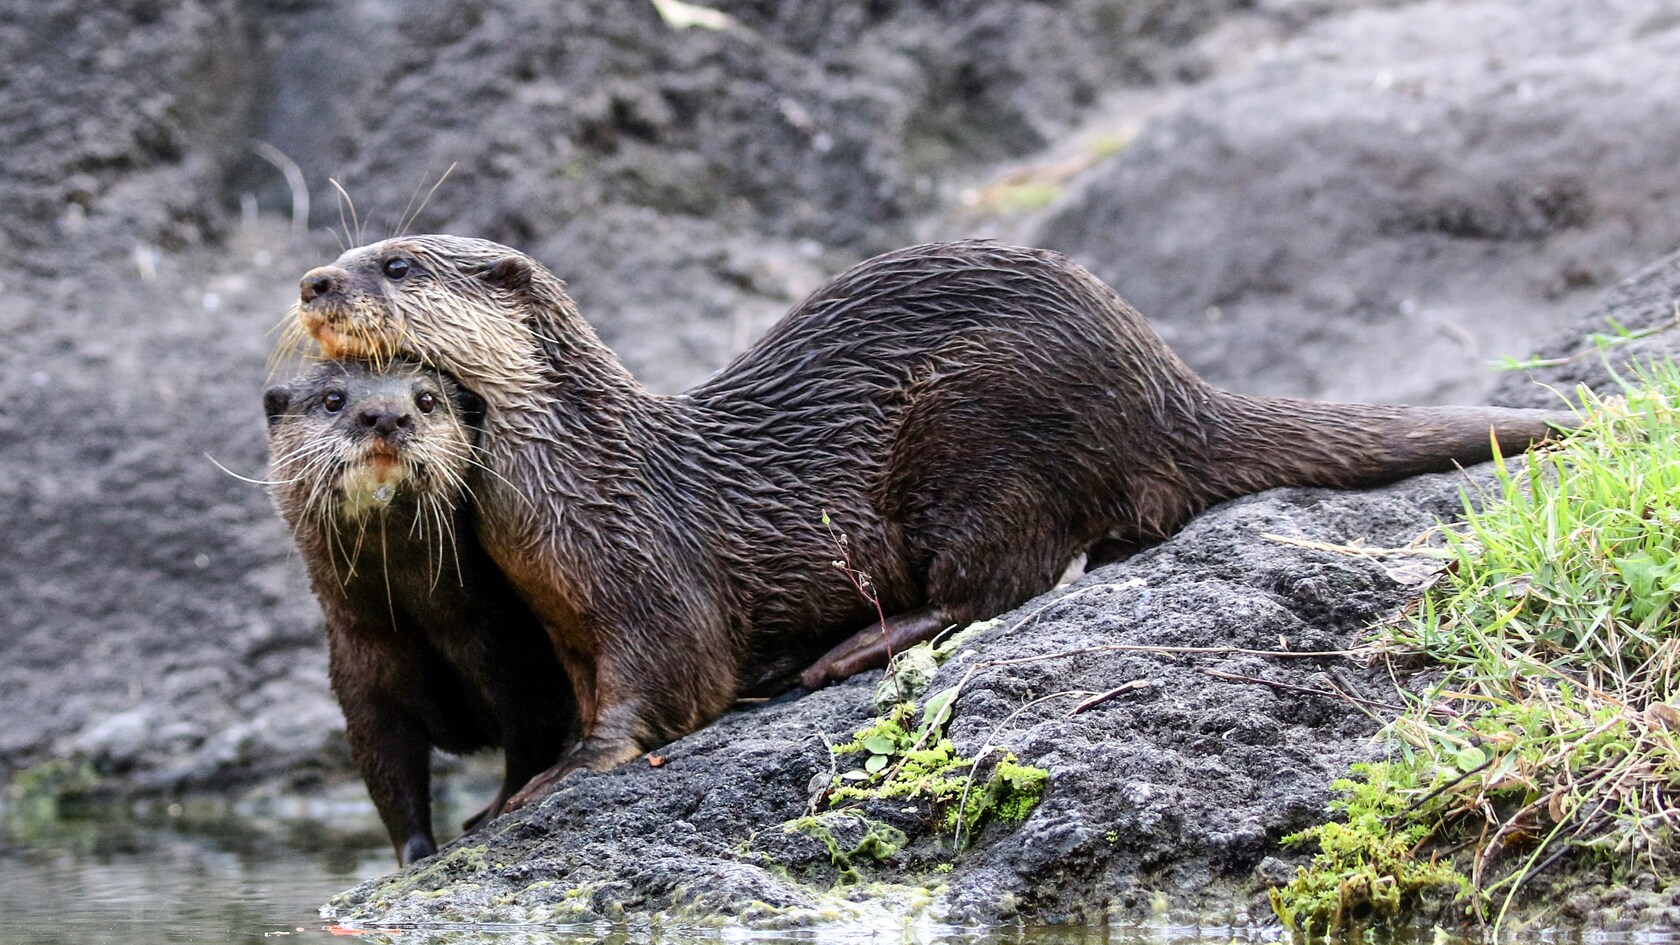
column 528, row 755
column 871, row 647
column 1111, row 549
column 615, row 732
column 997, row 564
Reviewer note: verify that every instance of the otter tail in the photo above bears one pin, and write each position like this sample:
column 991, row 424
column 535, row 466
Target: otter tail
column 1258, row 443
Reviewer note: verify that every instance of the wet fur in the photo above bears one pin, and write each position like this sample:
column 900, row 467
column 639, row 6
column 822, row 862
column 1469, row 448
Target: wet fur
column 429, row 646
column 970, row 416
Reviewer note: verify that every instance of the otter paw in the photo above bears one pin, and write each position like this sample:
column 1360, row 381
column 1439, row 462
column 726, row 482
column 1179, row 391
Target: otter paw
column 417, row 848
column 818, row 676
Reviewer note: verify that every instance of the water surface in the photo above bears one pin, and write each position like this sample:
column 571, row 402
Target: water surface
column 120, row 879
column 136, row 881
column 169, row 876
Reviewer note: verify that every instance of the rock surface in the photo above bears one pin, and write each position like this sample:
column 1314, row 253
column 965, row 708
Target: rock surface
column 691, row 183
column 1180, row 788
column 1637, row 323
column 1439, row 179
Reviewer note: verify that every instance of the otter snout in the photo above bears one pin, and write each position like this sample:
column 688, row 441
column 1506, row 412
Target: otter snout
column 322, row 280
column 385, row 420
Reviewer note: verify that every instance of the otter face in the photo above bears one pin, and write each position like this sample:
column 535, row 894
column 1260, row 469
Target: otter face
column 347, row 439
column 462, row 305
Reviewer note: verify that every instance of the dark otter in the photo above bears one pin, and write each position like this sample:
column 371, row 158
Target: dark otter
column 968, row 415
column 428, row 643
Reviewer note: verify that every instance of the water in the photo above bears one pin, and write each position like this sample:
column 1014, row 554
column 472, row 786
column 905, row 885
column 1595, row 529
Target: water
column 118, row 879
column 176, row 877
column 162, row 880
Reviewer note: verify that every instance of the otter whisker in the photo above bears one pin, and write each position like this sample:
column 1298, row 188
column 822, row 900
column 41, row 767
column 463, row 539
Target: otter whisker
column 381, row 354
column 336, row 552
column 454, row 540
column 355, row 557
column 407, row 221
column 294, row 182
column 385, row 571
column 291, row 339
column 316, row 469
column 423, row 512
column 446, row 533
column 472, row 459
column 254, row 482
column 344, row 198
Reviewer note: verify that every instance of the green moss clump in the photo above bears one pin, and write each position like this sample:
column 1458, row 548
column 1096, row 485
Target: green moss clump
column 45, row 791
column 1019, row 788
column 903, row 762
column 441, row 871
column 1365, row 870
column 879, row 841
column 51, row 781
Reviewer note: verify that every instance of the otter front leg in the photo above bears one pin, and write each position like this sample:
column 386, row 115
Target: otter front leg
column 869, row 647
column 393, row 754
column 388, row 741
column 610, row 742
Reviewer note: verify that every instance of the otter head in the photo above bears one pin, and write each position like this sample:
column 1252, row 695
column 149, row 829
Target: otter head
column 347, row 439
column 475, row 309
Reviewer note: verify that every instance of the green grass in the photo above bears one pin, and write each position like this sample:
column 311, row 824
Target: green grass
column 1552, row 730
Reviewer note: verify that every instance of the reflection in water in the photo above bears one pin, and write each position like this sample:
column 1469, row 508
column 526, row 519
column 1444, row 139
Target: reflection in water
column 117, row 880
column 123, row 881
column 231, row 881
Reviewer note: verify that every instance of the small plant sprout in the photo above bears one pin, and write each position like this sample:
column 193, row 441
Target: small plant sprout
column 859, row 580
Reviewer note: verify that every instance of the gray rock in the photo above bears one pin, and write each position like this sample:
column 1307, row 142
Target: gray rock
column 1427, row 184
column 1634, row 325
column 1177, row 790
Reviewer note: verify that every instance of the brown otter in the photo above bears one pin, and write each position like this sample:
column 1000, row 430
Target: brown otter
column 428, row 643
column 968, row 415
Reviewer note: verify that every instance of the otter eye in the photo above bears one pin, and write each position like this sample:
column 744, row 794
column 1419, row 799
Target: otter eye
column 396, row 268
column 333, row 400
column 426, row 401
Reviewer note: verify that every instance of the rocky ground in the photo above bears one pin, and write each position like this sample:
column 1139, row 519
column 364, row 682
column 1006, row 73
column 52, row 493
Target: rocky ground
column 1295, row 191
column 1180, row 787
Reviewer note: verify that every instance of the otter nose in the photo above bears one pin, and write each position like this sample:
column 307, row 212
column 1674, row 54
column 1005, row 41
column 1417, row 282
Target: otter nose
column 385, row 420
column 320, row 281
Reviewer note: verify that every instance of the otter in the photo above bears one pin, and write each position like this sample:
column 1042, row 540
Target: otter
column 428, row 645
column 964, row 418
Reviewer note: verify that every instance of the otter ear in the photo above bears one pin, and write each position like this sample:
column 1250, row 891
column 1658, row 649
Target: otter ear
column 275, row 401
column 509, row 272
column 472, row 407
